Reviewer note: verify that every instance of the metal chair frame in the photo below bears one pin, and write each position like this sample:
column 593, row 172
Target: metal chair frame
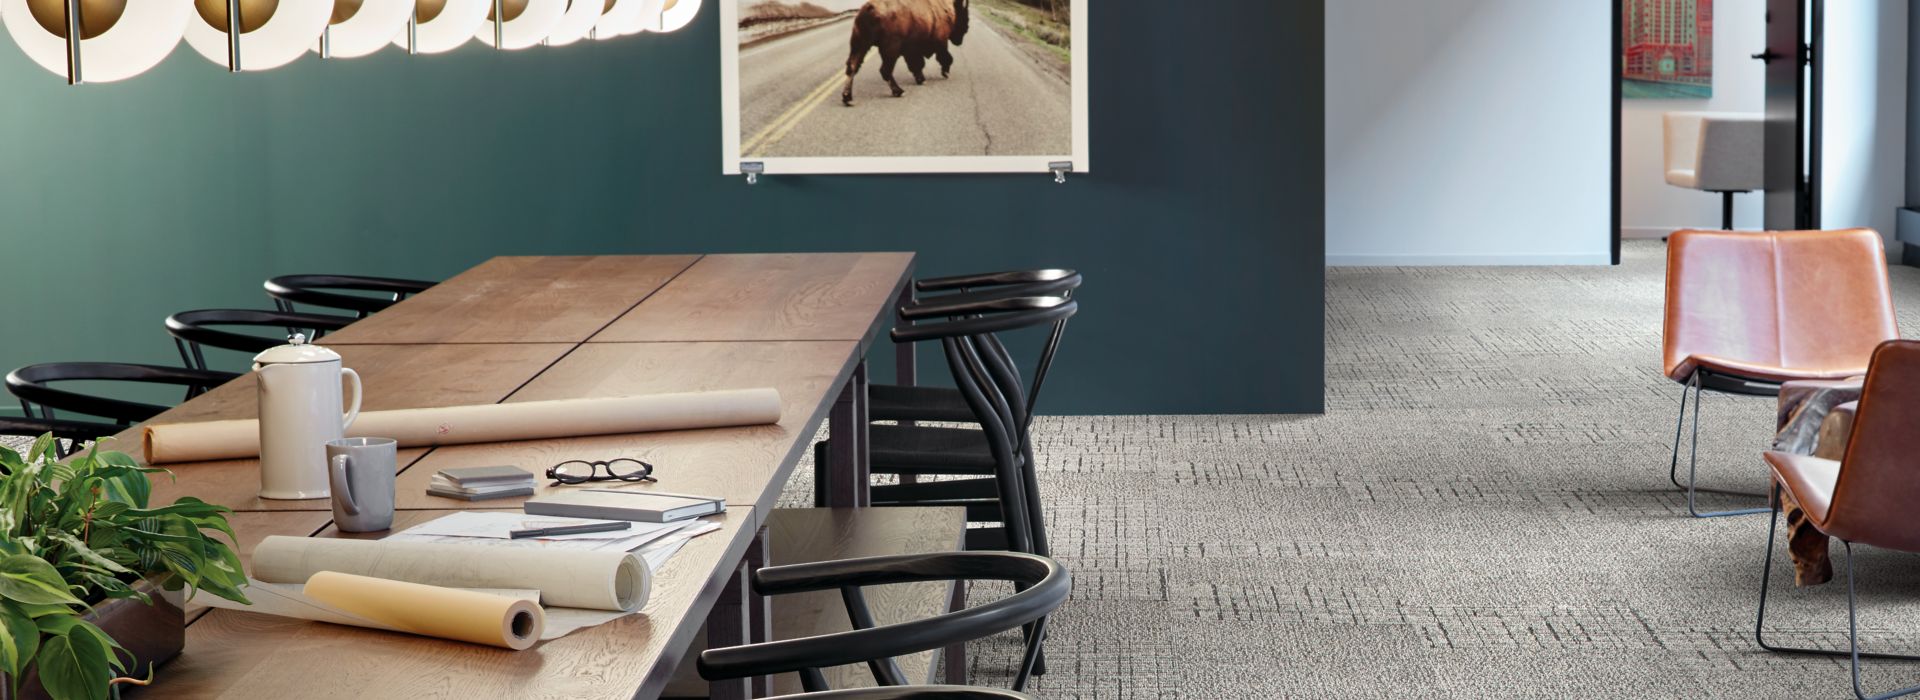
column 193, row 329
column 288, row 290
column 1853, row 633
column 1703, row 381
column 32, row 386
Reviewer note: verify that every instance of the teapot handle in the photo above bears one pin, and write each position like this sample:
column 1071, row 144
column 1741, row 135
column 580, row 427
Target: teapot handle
column 354, row 410
column 342, row 486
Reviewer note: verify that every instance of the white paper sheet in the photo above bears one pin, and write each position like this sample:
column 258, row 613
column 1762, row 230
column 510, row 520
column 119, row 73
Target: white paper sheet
column 498, row 525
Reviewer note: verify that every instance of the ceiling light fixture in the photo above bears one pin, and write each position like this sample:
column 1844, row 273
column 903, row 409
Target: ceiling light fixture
column 443, row 25
column 96, row 41
column 578, row 22
column 252, row 35
column 678, row 14
column 361, row 27
column 518, row 24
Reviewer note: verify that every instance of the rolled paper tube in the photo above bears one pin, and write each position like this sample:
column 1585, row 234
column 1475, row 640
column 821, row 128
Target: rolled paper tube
column 596, row 580
column 500, row 422
column 432, row 611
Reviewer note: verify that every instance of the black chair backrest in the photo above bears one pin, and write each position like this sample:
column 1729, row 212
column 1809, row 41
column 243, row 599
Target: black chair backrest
column 193, row 329
column 985, row 374
column 1041, row 586
column 72, row 432
column 31, row 384
column 288, row 290
column 965, row 283
column 1032, row 283
column 914, row 692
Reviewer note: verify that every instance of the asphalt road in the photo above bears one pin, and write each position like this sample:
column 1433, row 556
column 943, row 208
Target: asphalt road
column 996, row 103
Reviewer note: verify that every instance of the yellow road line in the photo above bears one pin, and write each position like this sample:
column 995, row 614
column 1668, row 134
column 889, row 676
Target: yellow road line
column 784, row 124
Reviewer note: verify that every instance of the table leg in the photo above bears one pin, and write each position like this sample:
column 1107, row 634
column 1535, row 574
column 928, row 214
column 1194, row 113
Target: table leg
column 759, row 607
column 955, row 663
column 847, row 447
column 727, row 626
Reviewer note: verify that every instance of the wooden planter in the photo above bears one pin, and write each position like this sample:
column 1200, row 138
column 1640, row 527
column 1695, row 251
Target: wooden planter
column 152, row 633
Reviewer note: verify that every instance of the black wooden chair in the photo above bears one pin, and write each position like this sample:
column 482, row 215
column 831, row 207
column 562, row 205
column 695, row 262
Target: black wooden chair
column 69, row 435
column 193, row 329
column 998, row 457
column 1041, row 585
column 326, row 291
column 914, row 692
column 894, row 402
column 32, row 384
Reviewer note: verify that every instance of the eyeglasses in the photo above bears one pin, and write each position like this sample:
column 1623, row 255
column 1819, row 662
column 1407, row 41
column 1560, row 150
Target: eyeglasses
column 578, row 471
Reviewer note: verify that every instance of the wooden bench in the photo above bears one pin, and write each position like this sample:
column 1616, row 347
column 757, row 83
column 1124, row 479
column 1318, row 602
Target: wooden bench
column 803, row 535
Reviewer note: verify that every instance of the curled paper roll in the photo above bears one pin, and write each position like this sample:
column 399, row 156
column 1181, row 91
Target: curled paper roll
column 596, row 580
column 501, row 422
column 432, row 611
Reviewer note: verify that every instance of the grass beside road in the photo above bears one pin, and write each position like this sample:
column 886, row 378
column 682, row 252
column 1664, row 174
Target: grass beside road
column 1031, row 24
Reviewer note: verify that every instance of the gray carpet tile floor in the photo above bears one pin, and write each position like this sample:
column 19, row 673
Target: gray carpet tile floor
column 1482, row 512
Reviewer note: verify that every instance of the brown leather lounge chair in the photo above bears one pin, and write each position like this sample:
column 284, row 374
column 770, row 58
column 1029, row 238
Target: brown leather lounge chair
column 1747, row 311
column 1868, row 496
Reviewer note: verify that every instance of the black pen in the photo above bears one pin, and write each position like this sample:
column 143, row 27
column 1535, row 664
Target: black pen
column 569, row 530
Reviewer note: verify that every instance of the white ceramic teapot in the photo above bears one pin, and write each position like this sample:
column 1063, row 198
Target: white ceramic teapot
column 299, row 390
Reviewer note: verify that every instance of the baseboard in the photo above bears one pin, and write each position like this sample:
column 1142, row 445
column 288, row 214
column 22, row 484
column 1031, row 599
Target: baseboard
column 1641, row 232
column 1456, row 260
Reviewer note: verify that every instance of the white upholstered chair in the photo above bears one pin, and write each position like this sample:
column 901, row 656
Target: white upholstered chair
column 1721, row 152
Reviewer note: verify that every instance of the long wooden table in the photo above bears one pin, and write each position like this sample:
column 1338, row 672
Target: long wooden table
column 526, row 329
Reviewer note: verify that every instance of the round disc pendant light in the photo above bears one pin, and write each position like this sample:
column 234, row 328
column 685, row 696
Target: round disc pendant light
column 678, row 14
column 526, row 22
column 623, row 18
column 578, row 22
column 119, row 39
column 272, row 32
column 361, row 27
column 443, row 25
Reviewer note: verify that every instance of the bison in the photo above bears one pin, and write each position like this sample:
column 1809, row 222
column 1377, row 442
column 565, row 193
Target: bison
column 915, row 29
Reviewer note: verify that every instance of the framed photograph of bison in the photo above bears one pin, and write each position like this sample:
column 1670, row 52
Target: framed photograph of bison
column 904, row 86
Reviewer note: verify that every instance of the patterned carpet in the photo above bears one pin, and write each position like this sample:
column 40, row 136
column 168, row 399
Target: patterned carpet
column 1481, row 513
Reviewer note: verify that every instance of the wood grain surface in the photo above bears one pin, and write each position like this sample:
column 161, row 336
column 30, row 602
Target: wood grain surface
column 746, row 466
column 394, row 376
column 799, row 296
column 245, row 655
column 521, row 300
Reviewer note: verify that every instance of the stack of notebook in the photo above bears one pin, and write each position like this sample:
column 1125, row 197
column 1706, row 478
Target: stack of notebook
column 481, row 483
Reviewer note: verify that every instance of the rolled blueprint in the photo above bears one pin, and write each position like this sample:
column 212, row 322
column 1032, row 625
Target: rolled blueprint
column 500, row 422
column 432, row 611
column 597, row 580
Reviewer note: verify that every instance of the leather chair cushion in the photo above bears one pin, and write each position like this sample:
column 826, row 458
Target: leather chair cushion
column 1810, row 480
column 1776, row 305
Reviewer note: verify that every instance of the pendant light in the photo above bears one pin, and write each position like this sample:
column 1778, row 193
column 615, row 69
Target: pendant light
column 623, row 17
column 96, row 41
column 361, row 27
column 443, row 25
column 678, row 14
column 251, row 35
column 578, row 22
column 518, row 24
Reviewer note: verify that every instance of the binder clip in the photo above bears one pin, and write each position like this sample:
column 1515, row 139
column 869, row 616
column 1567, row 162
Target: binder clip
column 753, row 171
column 1060, row 168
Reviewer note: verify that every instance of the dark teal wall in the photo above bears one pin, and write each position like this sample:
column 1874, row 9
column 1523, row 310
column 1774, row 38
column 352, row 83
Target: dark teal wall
column 1200, row 231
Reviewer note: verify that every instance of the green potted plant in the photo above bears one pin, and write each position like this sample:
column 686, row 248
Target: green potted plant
column 82, row 562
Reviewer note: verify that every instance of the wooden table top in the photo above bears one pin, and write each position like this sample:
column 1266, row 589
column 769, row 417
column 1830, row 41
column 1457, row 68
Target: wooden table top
column 798, row 296
column 246, row 655
column 520, row 300
column 516, row 329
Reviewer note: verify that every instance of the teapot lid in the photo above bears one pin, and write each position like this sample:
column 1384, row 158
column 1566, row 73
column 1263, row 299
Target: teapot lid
column 296, row 351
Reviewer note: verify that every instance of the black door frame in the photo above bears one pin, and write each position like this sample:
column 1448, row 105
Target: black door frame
column 1619, row 65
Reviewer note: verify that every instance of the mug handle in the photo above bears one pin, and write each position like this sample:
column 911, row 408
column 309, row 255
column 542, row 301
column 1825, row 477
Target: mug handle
column 353, row 411
column 342, row 492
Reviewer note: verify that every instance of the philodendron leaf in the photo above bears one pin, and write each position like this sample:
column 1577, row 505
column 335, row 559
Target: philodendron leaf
column 29, row 579
column 19, row 638
column 87, row 554
column 74, row 666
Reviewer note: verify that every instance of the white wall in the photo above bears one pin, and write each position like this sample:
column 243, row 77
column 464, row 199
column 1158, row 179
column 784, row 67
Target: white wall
column 1468, row 132
column 1651, row 208
column 1865, row 132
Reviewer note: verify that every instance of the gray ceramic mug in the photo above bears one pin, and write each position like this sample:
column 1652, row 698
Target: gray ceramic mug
column 361, row 472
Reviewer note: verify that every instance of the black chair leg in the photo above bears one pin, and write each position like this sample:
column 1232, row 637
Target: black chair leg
column 1853, row 634
column 1030, row 662
column 1693, row 459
